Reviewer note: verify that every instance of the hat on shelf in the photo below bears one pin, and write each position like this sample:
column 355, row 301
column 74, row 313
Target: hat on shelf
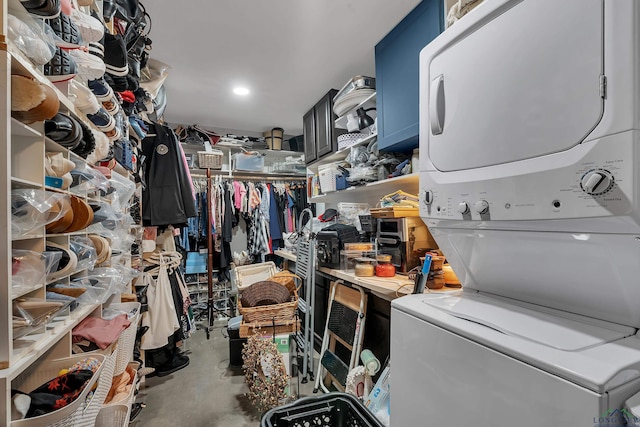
column 82, row 215
column 328, row 215
column 103, row 249
column 67, row 264
column 63, row 205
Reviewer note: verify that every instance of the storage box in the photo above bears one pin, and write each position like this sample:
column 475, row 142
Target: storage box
column 210, row 159
column 196, row 263
column 331, row 409
column 249, row 162
column 283, row 343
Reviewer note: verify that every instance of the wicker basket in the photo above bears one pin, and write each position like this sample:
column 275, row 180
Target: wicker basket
column 273, row 312
column 210, row 159
column 265, row 293
column 287, row 279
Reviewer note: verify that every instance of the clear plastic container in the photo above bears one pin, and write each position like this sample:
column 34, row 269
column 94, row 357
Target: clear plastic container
column 249, row 162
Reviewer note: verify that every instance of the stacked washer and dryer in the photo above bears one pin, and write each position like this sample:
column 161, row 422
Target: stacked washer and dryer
column 530, row 184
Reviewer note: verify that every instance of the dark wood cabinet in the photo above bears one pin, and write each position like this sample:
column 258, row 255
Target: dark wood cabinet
column 319, row 129
column 309, row 135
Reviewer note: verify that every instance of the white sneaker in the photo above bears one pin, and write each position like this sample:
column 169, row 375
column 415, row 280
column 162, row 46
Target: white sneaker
column 102, row 147
column 90, row 67
column 57, row 165
column 90, row 28
column 83, row 98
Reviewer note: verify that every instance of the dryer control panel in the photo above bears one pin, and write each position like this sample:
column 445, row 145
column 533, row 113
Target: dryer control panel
column 590, row 180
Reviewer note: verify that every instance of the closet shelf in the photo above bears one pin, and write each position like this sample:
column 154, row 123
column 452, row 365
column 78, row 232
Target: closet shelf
column 21, row 65
column 20, row 182
column 28, row 349
column 20, row 129
column 369, row 102
column 279, row 154
column 28, row 237
column 408, row 183
column 199, row 173
column 26, row 291
column 339, row 155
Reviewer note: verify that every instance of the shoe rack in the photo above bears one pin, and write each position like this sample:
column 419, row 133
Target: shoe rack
column 22, row 166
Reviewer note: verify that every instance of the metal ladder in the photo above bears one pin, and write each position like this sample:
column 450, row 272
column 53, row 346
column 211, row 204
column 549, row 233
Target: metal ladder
column 344, row 327
column 305, row 269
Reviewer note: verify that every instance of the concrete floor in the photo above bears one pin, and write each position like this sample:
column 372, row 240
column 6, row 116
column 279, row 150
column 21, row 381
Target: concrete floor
column 205, row 393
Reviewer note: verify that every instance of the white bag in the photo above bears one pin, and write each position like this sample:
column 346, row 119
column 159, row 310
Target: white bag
column 161, row 317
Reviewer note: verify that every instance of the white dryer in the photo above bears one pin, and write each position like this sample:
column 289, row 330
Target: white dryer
column 530, row 184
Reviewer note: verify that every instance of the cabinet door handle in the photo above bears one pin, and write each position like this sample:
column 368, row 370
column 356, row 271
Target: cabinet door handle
column 436, row 105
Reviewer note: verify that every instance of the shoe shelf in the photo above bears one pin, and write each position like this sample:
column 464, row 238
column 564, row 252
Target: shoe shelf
column 23, row 292
column 24, row 159
column 29, row 348
column 24, row 183
column 20, row 129
column 21, row 65
column 37, row 236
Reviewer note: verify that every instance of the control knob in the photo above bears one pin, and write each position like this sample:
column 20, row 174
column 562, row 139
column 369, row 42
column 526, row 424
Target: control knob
column 463, row 207
column 597, row 182
column 481, row 206
column 428, row 197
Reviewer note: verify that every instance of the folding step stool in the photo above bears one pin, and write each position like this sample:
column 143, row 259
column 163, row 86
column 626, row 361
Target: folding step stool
column 345, row 326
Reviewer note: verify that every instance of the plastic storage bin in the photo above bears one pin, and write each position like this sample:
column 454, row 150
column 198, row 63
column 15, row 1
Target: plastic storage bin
column 113, row 416
column 249, row 162
column 43, row 371
column 327, row 410
column 247, row 275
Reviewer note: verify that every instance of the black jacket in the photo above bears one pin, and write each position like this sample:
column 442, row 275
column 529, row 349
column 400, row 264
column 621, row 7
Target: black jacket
column 167, row 199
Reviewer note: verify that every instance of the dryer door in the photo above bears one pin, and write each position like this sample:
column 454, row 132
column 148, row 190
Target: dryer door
column 520, row 82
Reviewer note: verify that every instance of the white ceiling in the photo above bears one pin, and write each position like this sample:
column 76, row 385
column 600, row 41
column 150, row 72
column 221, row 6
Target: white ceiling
column 288, row 52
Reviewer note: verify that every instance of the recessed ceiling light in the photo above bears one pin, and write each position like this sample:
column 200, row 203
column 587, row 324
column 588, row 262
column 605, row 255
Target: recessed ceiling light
column 241, row 91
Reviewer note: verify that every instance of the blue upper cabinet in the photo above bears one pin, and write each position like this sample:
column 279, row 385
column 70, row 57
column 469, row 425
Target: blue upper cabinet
column 397, row 75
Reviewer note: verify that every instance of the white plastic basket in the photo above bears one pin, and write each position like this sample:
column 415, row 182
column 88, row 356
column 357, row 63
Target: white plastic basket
column 249, row 274
column 89, row 414
column 43, row 371
column 127, row 338
column 327, row 176
column 348, row 139
column 114, row 416
column 132, row 392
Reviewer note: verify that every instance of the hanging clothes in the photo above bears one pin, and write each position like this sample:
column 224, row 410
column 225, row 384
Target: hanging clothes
column 161, row 316
column 167, row 198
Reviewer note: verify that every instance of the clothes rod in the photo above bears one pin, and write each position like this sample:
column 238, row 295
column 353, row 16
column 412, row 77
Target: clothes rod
column 254, row 178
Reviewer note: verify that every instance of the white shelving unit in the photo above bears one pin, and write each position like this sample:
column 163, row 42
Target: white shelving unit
column 340, row 154
column 274, row 164
column 369, row 102
column 23, row 152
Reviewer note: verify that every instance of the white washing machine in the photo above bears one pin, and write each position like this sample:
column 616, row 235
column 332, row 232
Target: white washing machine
column 530, row 184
